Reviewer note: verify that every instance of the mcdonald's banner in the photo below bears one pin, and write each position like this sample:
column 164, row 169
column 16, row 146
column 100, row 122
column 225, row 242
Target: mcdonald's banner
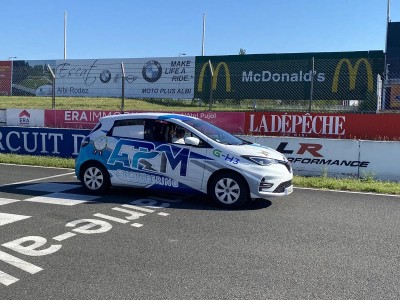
column 336, row 76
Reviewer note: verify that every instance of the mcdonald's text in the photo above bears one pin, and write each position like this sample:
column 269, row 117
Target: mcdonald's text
column 266, row 76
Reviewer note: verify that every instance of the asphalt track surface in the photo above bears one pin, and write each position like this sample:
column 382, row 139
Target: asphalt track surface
column 58, row 243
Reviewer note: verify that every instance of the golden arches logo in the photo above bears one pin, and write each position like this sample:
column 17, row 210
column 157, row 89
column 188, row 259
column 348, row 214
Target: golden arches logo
column 353, row 74
column 215, row 77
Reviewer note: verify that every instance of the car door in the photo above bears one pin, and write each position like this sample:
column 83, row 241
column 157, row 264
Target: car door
column 146, row 158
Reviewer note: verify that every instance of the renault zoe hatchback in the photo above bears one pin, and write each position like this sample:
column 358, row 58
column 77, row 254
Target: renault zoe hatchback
column 142, row 150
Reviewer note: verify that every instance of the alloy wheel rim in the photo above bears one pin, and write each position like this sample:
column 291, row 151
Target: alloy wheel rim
column 227, row 191
column 93, row 178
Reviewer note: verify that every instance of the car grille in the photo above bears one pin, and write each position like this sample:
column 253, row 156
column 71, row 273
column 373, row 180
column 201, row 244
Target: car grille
column 281, row 188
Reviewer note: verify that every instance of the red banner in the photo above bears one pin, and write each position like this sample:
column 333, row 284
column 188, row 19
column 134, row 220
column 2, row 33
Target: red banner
column 346, row 126
column 87, row 119
column 5, row 78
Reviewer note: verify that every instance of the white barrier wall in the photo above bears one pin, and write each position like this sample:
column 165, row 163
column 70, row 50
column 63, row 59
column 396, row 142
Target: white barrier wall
column 337, row 158
column 384, row 158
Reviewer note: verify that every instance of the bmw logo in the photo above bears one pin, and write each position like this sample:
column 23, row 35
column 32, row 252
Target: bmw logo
column 152, row 71
column 105, row 76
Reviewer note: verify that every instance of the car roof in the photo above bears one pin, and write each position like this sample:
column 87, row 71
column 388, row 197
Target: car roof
column 146, row 115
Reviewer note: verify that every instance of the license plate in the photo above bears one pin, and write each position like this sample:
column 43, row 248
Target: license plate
column 289, row 190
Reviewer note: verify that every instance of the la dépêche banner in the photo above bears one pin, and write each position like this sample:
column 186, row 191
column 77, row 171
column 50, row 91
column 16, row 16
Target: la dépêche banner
column 318, row 125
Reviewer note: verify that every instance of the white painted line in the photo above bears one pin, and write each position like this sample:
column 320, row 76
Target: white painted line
column 7, row 279
column 347, row 192
column 133, row 215
column 107, row 217
column 19, row 263
column 64, row 236
column 4, row 201
column 11, row 218
column 62, row 199
column 138, row 208
column 137, row 225
column 49, row 187
column 31, row 166
column 163, row 214
column 37, row 179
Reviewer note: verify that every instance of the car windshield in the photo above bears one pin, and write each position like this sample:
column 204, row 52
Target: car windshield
column 214, row 133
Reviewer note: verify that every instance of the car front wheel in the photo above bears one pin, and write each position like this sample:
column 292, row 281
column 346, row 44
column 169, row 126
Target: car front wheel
column 95, row 178
column 229, row 190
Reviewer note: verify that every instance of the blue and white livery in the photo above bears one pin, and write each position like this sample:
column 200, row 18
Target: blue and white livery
column 138, row 150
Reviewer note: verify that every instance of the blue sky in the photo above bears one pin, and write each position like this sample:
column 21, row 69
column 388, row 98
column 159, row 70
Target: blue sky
column 160, row 28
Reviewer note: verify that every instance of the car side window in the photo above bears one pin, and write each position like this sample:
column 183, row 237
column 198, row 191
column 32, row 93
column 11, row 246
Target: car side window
column 177, row 135
column 128, row 129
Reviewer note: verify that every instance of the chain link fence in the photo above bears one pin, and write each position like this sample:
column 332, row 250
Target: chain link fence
column 220, row 83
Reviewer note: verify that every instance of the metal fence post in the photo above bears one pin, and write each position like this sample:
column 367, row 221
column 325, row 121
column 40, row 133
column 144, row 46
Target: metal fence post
column 53, row 89
column 312, row 85
column 211, row 84
column 123, row 87
column 378, row 93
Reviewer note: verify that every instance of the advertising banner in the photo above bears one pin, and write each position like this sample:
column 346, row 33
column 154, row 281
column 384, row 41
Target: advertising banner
column 334, row 76
column 166, row 77
column 31, row 78
column 25, row 117
column 230, row 121
column 315, row 157
column 5, row 78
column 345, row 126
column 41, row 141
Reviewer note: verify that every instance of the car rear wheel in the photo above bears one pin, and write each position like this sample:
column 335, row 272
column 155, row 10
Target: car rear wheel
column 229, row 190
column 95, row 178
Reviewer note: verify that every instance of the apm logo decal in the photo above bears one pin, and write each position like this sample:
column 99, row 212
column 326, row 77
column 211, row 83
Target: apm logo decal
column 143, row 156
column 152, row 71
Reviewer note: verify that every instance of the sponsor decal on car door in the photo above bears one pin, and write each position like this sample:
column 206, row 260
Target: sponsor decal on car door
column 156, row 165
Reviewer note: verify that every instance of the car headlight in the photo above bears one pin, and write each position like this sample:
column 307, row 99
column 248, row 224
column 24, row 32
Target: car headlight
column 262, row 161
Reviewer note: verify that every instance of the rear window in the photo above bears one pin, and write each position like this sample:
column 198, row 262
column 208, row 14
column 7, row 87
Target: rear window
column 128, row 129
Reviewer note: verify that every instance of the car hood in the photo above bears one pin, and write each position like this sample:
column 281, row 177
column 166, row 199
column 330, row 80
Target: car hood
column 257, row 150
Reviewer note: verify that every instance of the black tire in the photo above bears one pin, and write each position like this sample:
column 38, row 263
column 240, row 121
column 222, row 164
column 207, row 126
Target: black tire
column 229, row 190
column 95, row 178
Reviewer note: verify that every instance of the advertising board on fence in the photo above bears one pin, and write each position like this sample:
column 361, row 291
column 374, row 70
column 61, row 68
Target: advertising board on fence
column 25, row 117
column 230, row 121
column 314, row 125
column 336, row 75
column 166, row 77
column 343, row 126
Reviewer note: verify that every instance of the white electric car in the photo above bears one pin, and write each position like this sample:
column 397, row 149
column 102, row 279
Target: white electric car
column 140, row 150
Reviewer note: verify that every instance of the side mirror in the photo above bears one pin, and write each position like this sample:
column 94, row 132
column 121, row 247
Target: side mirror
column 192, row 141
